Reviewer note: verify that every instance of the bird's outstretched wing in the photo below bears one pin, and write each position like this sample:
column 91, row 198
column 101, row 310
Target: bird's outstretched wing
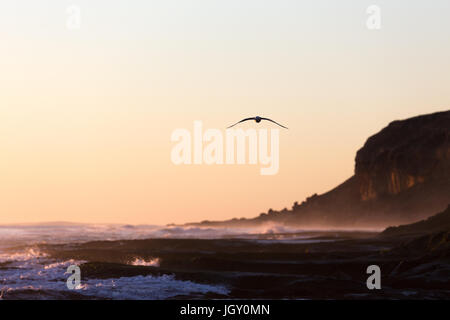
column 274, row 122
column 246, row 119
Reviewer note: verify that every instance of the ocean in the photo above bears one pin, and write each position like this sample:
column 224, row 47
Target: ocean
column 34, row 258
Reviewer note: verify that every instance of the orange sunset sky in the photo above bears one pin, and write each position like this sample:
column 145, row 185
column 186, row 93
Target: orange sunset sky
column 86, row 115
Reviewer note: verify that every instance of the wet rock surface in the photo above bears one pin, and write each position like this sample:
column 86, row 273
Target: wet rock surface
column 412, row 267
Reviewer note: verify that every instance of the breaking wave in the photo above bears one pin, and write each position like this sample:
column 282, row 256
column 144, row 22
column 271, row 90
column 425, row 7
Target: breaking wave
column 147, row 263
column 32, row 274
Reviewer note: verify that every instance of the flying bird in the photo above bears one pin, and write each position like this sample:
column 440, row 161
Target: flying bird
column 257, row 120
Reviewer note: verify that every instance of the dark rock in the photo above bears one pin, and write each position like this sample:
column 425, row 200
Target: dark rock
column 436, row 223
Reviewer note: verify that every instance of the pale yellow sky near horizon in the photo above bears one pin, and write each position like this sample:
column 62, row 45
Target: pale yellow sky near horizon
column 86, row 115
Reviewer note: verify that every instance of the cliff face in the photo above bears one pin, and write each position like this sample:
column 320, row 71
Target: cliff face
column 403, row 155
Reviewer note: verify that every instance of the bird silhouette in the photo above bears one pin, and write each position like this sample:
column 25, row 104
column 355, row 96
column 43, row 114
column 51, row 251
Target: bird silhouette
column 257, row 120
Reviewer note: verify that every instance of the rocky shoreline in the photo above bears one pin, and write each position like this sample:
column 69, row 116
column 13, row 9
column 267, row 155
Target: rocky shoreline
column 414, row 261
column 412, row 267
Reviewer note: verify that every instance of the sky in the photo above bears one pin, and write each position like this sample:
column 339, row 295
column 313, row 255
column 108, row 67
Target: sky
column 86, row 114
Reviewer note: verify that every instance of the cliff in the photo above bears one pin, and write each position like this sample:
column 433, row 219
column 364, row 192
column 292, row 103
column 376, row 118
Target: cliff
column 402, row 174
column 403, row 155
